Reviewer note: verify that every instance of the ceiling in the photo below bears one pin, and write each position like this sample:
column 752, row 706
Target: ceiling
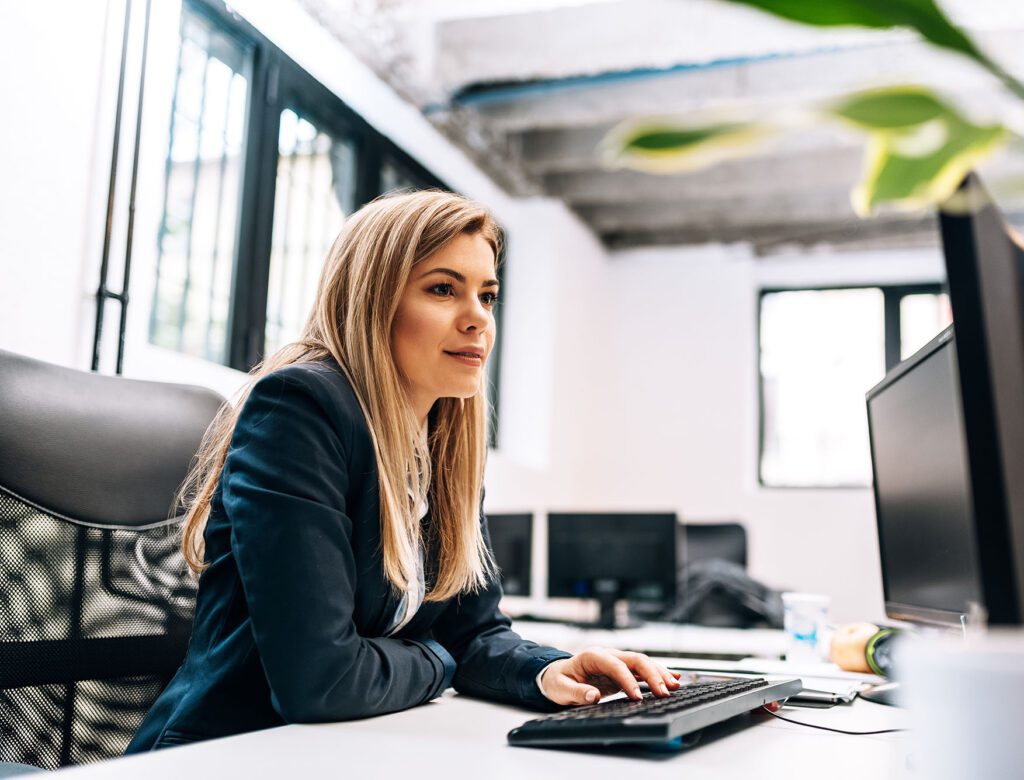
column 528, row 88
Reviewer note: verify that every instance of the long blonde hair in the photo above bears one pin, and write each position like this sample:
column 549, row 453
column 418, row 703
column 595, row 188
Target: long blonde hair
column 362, row 281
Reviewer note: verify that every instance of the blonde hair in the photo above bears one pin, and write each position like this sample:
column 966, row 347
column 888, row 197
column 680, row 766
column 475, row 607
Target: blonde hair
column 362, row 281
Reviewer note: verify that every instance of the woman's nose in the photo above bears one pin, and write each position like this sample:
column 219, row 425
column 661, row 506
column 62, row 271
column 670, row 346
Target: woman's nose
column 474, row 317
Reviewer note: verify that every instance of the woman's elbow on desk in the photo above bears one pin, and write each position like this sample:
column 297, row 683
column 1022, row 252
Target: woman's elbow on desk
column 382, row 676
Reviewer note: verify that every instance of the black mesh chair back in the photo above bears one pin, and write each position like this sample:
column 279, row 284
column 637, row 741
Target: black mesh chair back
column 96, row 601
column 720, row 541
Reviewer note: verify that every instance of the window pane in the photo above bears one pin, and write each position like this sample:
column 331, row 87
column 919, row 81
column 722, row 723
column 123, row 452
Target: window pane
column 921, row 319
column 393, row 177
column 821, row 350
column 316, row 184
column 203, row 176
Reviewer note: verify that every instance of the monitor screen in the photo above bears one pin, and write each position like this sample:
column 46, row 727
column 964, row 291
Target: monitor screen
column 511, row 542
column 632, row 554
column 922, row 488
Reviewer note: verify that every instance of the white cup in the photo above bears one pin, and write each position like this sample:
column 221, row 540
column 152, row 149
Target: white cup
column 805, row 619
column 964, row 699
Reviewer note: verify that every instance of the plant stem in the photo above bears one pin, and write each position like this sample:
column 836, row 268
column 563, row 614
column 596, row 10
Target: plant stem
column 993, row 67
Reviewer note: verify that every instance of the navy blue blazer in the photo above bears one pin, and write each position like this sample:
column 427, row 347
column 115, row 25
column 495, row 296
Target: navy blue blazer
column 291, row 612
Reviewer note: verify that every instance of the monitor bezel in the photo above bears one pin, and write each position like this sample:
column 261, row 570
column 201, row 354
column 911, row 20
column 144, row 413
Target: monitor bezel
column 897, row 610
column 985, row 270
column 528, row 519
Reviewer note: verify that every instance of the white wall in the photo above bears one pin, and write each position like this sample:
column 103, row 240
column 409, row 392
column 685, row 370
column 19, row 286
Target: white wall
column 54, row 151
column 682, row 397
column 629, row 381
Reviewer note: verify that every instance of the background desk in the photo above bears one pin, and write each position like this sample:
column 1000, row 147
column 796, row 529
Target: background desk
column 661, row 639
column 457, row 737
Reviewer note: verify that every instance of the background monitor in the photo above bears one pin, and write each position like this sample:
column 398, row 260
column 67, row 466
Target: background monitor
column 511, row 542
column 923, row 501
column 613, row 556
column 985, row 272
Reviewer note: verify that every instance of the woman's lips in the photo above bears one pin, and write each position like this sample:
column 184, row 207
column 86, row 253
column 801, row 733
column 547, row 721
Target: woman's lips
column 468, row 358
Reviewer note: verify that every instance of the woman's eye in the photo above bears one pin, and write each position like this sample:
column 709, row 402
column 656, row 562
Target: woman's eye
column 489, row 298
column 443, row 289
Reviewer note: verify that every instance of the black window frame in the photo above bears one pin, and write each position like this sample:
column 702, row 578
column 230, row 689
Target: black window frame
column 892, row 295
column 278, row 83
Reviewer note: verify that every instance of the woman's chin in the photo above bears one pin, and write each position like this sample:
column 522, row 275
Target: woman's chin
column 462, row 392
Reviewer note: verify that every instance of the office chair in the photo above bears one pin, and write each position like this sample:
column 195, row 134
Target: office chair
column 96, row 601
column 714, row 588
column 723, row 541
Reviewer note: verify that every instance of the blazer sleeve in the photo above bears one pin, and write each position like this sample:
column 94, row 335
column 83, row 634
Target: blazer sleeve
column 492, row 661
column 284, row 484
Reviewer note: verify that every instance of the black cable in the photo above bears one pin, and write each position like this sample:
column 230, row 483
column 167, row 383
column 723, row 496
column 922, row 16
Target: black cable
column 829, row 728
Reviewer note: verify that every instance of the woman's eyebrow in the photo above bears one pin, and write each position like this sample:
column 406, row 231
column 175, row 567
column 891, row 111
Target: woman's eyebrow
column 459, row 277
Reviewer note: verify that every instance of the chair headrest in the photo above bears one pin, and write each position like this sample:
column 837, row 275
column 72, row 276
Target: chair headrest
column 97, row 449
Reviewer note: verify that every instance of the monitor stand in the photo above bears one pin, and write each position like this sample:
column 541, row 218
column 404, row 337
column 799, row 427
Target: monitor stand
column 608, row 592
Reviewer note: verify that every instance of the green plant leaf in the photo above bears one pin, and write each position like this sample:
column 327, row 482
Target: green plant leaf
column 826, row 13
column 906, row 170
column 671, row 139
column 671, row 146
column 924, row 16
column 891, row 107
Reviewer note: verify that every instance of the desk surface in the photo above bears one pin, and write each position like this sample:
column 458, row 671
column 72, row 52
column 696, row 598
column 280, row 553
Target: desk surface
column 457, row 737
column 660, row 639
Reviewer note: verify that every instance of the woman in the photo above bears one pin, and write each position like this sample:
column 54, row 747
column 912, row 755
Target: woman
column 333, row 514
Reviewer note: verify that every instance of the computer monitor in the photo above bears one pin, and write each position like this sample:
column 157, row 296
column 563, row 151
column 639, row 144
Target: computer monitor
column 985, row 272
column 612, row 556
column 923, row 496
column 511, row 542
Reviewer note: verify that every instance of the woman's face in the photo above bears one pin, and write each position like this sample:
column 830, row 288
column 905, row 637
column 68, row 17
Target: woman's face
column 443, row 330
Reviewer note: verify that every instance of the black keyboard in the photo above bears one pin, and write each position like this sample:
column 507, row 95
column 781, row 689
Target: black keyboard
column 653, row 719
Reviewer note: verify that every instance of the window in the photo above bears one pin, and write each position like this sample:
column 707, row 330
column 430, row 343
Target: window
column 393, row 177
column 202, row 183
column 922, row 315
column 316, row 183
column 820, row 351
column 263, row 166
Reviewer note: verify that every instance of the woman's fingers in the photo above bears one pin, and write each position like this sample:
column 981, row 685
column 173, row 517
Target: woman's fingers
column 580, row 693
column 598, row 671
column 602, row 662
column 650, row 672
column 671, row 678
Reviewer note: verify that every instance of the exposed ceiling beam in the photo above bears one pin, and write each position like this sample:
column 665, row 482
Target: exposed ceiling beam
column 828, row 205
column 576, row 148
column 883, row 232
column 616, row 36
column 560, row 149
column 751, row 88
column 771, row 177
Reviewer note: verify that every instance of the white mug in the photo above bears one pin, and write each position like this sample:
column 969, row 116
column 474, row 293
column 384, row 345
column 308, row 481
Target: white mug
column 964, row 697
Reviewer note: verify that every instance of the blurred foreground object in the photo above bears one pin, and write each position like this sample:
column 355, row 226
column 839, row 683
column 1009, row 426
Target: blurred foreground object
column 964, row 696
column 849, row 646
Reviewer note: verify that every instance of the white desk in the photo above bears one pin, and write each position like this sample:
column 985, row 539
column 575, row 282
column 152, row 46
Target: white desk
column 660, row 639
column 457, row 737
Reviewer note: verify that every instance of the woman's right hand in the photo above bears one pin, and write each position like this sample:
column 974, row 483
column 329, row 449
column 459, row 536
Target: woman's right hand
column 600, row 671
